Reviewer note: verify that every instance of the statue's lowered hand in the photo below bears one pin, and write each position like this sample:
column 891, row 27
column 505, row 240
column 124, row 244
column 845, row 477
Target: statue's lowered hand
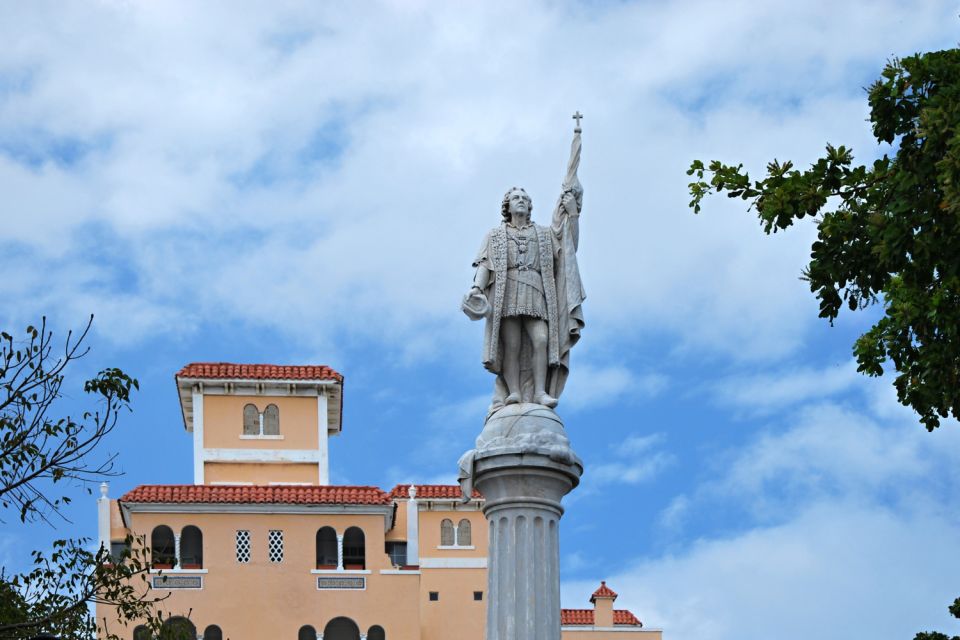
column 475, row 304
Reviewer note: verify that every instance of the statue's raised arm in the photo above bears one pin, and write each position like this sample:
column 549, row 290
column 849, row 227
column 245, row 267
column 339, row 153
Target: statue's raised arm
column 570, row 203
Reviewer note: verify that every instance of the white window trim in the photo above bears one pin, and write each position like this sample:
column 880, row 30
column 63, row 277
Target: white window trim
column 453, row 563
column 260, row 437
column 453, row 547
column 340, row 572
column 178, row 571
column 399, row 572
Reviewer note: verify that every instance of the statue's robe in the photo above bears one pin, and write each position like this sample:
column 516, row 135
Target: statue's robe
column 562, row 291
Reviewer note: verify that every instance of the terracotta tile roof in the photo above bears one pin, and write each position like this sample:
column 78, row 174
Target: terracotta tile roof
column 584, row 617
column 431, row 491
column 247, row 494
column 214, row 370
column 603, row 592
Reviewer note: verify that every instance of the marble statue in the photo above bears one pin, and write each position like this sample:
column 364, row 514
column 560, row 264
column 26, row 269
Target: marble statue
column 527, row 287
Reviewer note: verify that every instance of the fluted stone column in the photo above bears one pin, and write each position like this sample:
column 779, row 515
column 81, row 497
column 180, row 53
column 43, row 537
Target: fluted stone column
column 523, row 465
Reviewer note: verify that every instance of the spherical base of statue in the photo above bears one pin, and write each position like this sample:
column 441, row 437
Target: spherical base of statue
column 523, row 465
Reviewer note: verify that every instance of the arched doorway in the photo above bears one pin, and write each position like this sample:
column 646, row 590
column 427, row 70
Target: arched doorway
column 178, row 628
column 341, row 629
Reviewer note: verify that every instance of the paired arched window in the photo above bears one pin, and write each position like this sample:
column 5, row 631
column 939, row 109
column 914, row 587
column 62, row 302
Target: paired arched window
column 341, row 629
column 141, row 632
column 177, row 628
column 459, row 536
column 257, row 423
column 191, row 548
column 164, row 551
column 307, row 633
column 354, row 551
column 162, row 547
column 326, row 548
column 212, row 632
column 376, row 633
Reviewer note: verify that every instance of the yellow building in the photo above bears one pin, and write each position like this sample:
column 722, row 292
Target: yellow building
column 261, row 546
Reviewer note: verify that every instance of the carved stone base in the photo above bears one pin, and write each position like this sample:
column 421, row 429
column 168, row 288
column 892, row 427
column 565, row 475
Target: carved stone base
column 523, row 465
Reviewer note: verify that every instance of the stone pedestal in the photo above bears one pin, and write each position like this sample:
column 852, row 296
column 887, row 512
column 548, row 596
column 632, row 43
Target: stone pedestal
column 523, row 465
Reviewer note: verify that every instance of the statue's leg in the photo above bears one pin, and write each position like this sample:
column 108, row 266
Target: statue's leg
column 537, row 331
column 510, row 334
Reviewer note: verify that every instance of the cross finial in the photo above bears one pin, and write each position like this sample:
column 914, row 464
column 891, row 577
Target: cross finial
column 577, row 116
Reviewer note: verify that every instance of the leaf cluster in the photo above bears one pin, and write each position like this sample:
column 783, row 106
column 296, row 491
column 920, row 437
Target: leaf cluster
column 55, row 595
column 888, row 232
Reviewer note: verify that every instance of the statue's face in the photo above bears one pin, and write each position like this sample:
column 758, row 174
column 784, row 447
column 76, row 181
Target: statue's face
column 519, row 203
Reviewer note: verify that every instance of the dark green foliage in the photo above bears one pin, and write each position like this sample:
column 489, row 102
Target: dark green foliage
column 889, row 232
column 936, row 635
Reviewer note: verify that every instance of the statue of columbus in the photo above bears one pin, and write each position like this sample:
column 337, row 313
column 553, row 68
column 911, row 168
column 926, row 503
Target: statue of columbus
column 527, row 287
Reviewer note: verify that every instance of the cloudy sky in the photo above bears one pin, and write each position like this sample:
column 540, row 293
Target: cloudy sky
column 296, row 183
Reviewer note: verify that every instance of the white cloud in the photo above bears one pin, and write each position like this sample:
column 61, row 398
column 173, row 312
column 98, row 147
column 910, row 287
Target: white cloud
column 836, row 571
column 330, row 171
column 774, row 390
column 637, row 459
column 591, row 387
column 841, row 521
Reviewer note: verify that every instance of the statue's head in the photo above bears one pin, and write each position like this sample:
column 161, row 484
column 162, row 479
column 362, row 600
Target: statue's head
column 516, row 199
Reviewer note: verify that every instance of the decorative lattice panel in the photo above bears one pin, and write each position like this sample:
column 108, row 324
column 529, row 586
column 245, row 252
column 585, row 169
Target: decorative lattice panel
column 243, row 546
column 275, row 545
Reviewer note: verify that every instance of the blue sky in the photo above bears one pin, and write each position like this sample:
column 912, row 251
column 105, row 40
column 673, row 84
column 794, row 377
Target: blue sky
column 297, row 184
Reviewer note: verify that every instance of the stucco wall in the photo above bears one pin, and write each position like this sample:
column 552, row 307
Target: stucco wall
column 223, row 422
column 261, row 599
column 260, row 473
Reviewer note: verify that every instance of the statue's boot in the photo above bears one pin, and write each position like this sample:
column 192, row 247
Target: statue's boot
column 513, row 398
column 546, row 400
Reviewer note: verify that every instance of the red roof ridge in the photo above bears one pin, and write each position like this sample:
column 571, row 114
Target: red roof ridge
column 585, row 617
column 603, row 591
column 249, row 494
column 258, row 371
column 432, row 491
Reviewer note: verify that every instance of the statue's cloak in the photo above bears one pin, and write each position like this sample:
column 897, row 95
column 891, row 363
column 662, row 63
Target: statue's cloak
column 562, row 291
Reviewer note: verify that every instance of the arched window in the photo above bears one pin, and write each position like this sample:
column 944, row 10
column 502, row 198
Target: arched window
column 463, row 533
column 354, row 553
column 178, row 628
column 271, row 420
column 140, row 632
column 307, row 633
column 341, row 629
column 326, row 548
column 376, row 633
column 162, row 550
column 212, row 632
column 251, row 420
column 191, row 548
column 446, row 533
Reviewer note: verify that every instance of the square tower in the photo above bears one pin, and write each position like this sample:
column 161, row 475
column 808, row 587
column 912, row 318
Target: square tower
column 260, row 424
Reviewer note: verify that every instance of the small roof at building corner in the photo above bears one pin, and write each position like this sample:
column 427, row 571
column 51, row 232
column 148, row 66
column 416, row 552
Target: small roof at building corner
column 585, row 617
column 603, row 592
